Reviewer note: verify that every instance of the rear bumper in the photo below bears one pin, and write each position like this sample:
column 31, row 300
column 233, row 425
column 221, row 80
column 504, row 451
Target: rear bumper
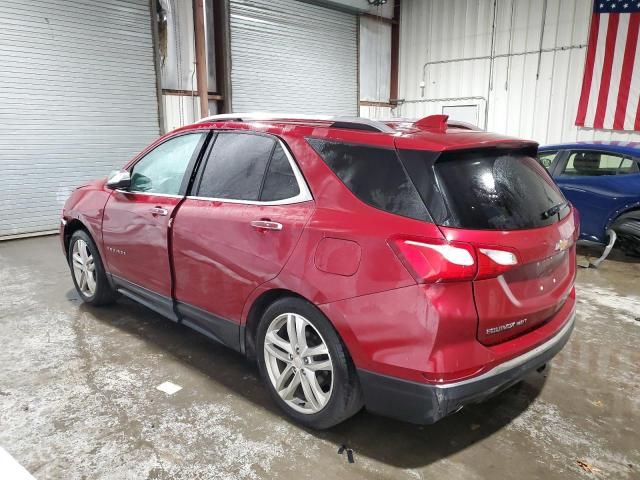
column 427, row 403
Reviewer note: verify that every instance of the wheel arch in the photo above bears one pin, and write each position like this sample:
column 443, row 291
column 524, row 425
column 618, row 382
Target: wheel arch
column 258, row 307
column 70, row 228
column 630, row 208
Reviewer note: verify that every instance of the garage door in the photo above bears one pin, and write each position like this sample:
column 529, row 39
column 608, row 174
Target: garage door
column 77, row 99
column 291, row 56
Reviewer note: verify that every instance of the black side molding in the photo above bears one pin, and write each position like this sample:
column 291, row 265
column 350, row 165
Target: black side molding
column 218, row 328
column 221, row 330
column 156, row 302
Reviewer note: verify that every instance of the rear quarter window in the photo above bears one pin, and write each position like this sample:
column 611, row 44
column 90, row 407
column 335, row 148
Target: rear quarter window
column 280, row 182
column 374, row 175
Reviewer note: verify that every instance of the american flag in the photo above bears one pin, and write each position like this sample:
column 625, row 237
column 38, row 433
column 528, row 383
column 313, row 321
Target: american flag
column 610, row 96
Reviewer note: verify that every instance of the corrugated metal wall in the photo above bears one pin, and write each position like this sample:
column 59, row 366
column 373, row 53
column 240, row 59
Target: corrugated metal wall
column 529, row 93
column 292, row 56
column 286, row 55
column 77, row 99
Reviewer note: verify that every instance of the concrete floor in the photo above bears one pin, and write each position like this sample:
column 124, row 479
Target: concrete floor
column 78, row 397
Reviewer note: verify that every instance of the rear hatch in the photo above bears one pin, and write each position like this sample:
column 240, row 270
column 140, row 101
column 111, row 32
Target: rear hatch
column 502, row 206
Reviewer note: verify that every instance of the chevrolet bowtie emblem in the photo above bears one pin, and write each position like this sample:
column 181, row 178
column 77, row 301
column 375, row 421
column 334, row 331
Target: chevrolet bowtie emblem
column 562, row 245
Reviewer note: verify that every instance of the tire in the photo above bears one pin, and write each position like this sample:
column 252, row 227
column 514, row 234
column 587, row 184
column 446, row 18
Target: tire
column 101, row 293
column 627, row 228
column 340, row 396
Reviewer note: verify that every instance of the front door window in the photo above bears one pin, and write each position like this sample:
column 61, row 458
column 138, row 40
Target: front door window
column 162, row 170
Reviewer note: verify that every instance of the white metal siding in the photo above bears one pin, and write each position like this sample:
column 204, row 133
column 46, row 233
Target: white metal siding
column 291, row 56
column 376, row 112
column 375, row 59
column 542, row 108
column 77, row 99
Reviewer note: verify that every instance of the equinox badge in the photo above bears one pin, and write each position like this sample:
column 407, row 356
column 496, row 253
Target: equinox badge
column 505, row 326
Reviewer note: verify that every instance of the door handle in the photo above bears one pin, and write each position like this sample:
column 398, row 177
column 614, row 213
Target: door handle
column 266, row 225
column 163, row 212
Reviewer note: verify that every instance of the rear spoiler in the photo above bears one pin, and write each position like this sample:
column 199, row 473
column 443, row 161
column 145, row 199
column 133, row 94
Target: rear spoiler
column 440, row 123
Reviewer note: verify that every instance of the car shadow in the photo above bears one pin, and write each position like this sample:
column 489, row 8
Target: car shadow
column 389, row 441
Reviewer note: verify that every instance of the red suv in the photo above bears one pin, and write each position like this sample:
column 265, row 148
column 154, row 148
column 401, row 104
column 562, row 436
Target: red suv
column 410, row 267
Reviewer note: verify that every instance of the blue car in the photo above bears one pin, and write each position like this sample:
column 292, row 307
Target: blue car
column 602, row 180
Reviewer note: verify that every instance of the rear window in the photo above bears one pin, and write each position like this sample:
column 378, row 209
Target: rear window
column 489, row 189
column 374, row 175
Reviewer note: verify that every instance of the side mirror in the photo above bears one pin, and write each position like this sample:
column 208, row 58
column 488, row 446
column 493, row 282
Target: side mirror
column 119, row 179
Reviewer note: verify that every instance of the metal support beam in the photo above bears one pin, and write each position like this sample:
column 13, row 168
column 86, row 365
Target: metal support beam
column 153, row 6
column 221, row 32
column 395, row 52
column 201, row 56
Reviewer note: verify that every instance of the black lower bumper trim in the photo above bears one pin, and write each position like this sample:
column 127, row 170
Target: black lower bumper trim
column 427, row 403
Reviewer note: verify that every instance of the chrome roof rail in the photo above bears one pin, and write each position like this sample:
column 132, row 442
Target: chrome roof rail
column 355, row 123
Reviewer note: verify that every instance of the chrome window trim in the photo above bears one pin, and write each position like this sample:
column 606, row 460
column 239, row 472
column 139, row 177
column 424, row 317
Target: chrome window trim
column 286, row 201
column 149, row 194
column 304, row 194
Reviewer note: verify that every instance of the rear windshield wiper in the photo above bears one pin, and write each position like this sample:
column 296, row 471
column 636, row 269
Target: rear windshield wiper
column 550, row 212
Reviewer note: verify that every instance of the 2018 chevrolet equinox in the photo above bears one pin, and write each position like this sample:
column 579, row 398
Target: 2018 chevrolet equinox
column 408, row 267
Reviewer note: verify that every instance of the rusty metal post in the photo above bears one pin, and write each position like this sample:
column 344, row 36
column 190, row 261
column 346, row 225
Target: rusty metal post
column 153, row 6
column 222, row 53
column 395, row 53
column 201, row 56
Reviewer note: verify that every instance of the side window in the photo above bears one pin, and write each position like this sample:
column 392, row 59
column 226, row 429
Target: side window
column 546, row 159
column 627, row 166
column 374, row 175
column 592, row 164
column 236, row 166
column 280, row 182
column 162, row 169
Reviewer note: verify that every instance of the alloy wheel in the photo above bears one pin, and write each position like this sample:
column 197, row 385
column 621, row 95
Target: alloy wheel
column 298, row 363
column 84, row 268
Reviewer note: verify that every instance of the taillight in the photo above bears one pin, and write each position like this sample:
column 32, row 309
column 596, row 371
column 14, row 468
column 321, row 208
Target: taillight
column 494, row 262
column 435, row 260
column 432, row 261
